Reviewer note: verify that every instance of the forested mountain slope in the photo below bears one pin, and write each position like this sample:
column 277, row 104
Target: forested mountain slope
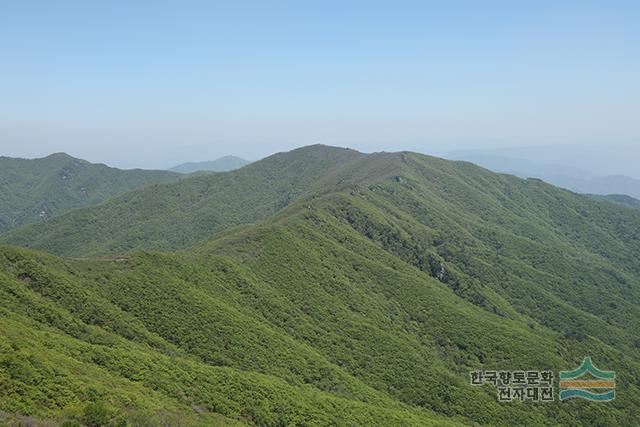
column 366, row 300
column 163, row 337
column 175, row 216
column 40, row 189
column 619, row 199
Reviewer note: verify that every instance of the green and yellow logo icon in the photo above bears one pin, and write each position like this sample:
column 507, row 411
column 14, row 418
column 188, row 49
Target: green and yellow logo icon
column 601, row 388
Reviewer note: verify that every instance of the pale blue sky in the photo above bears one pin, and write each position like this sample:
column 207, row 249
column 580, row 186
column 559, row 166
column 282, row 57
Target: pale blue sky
column 152, row 83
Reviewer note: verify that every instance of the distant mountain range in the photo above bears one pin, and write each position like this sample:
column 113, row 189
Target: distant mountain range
column 563, row 175
column 321, row 286
column 37, row 189
column 223, row 164
column 619, row 199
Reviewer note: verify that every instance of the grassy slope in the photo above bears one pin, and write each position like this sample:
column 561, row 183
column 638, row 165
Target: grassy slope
column 54, row 185
column 175, row 216
column 380, row 295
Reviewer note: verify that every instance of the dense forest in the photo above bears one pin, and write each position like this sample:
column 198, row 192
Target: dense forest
column 321, row 287
column 36, row 190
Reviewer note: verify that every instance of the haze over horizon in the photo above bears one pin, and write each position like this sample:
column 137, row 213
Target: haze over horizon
column 153, row 85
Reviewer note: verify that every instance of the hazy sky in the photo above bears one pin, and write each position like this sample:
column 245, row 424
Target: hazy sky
column 154, row 83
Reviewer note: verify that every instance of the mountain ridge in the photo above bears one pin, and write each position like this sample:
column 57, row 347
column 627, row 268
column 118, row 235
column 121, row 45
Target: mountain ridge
column 365, row 296
column 215, row 202
column 620, row 199
column 212, row 202
column 36, row 189
column 582, row 181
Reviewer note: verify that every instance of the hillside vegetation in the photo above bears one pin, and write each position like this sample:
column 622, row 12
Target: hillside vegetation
column 40, row 189
column 619, row 199
column 364, row 298
column 175, row 216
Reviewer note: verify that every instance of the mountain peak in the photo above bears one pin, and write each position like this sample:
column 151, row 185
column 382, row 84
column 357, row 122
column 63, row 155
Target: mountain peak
column 59, row 155
column 322, row 148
